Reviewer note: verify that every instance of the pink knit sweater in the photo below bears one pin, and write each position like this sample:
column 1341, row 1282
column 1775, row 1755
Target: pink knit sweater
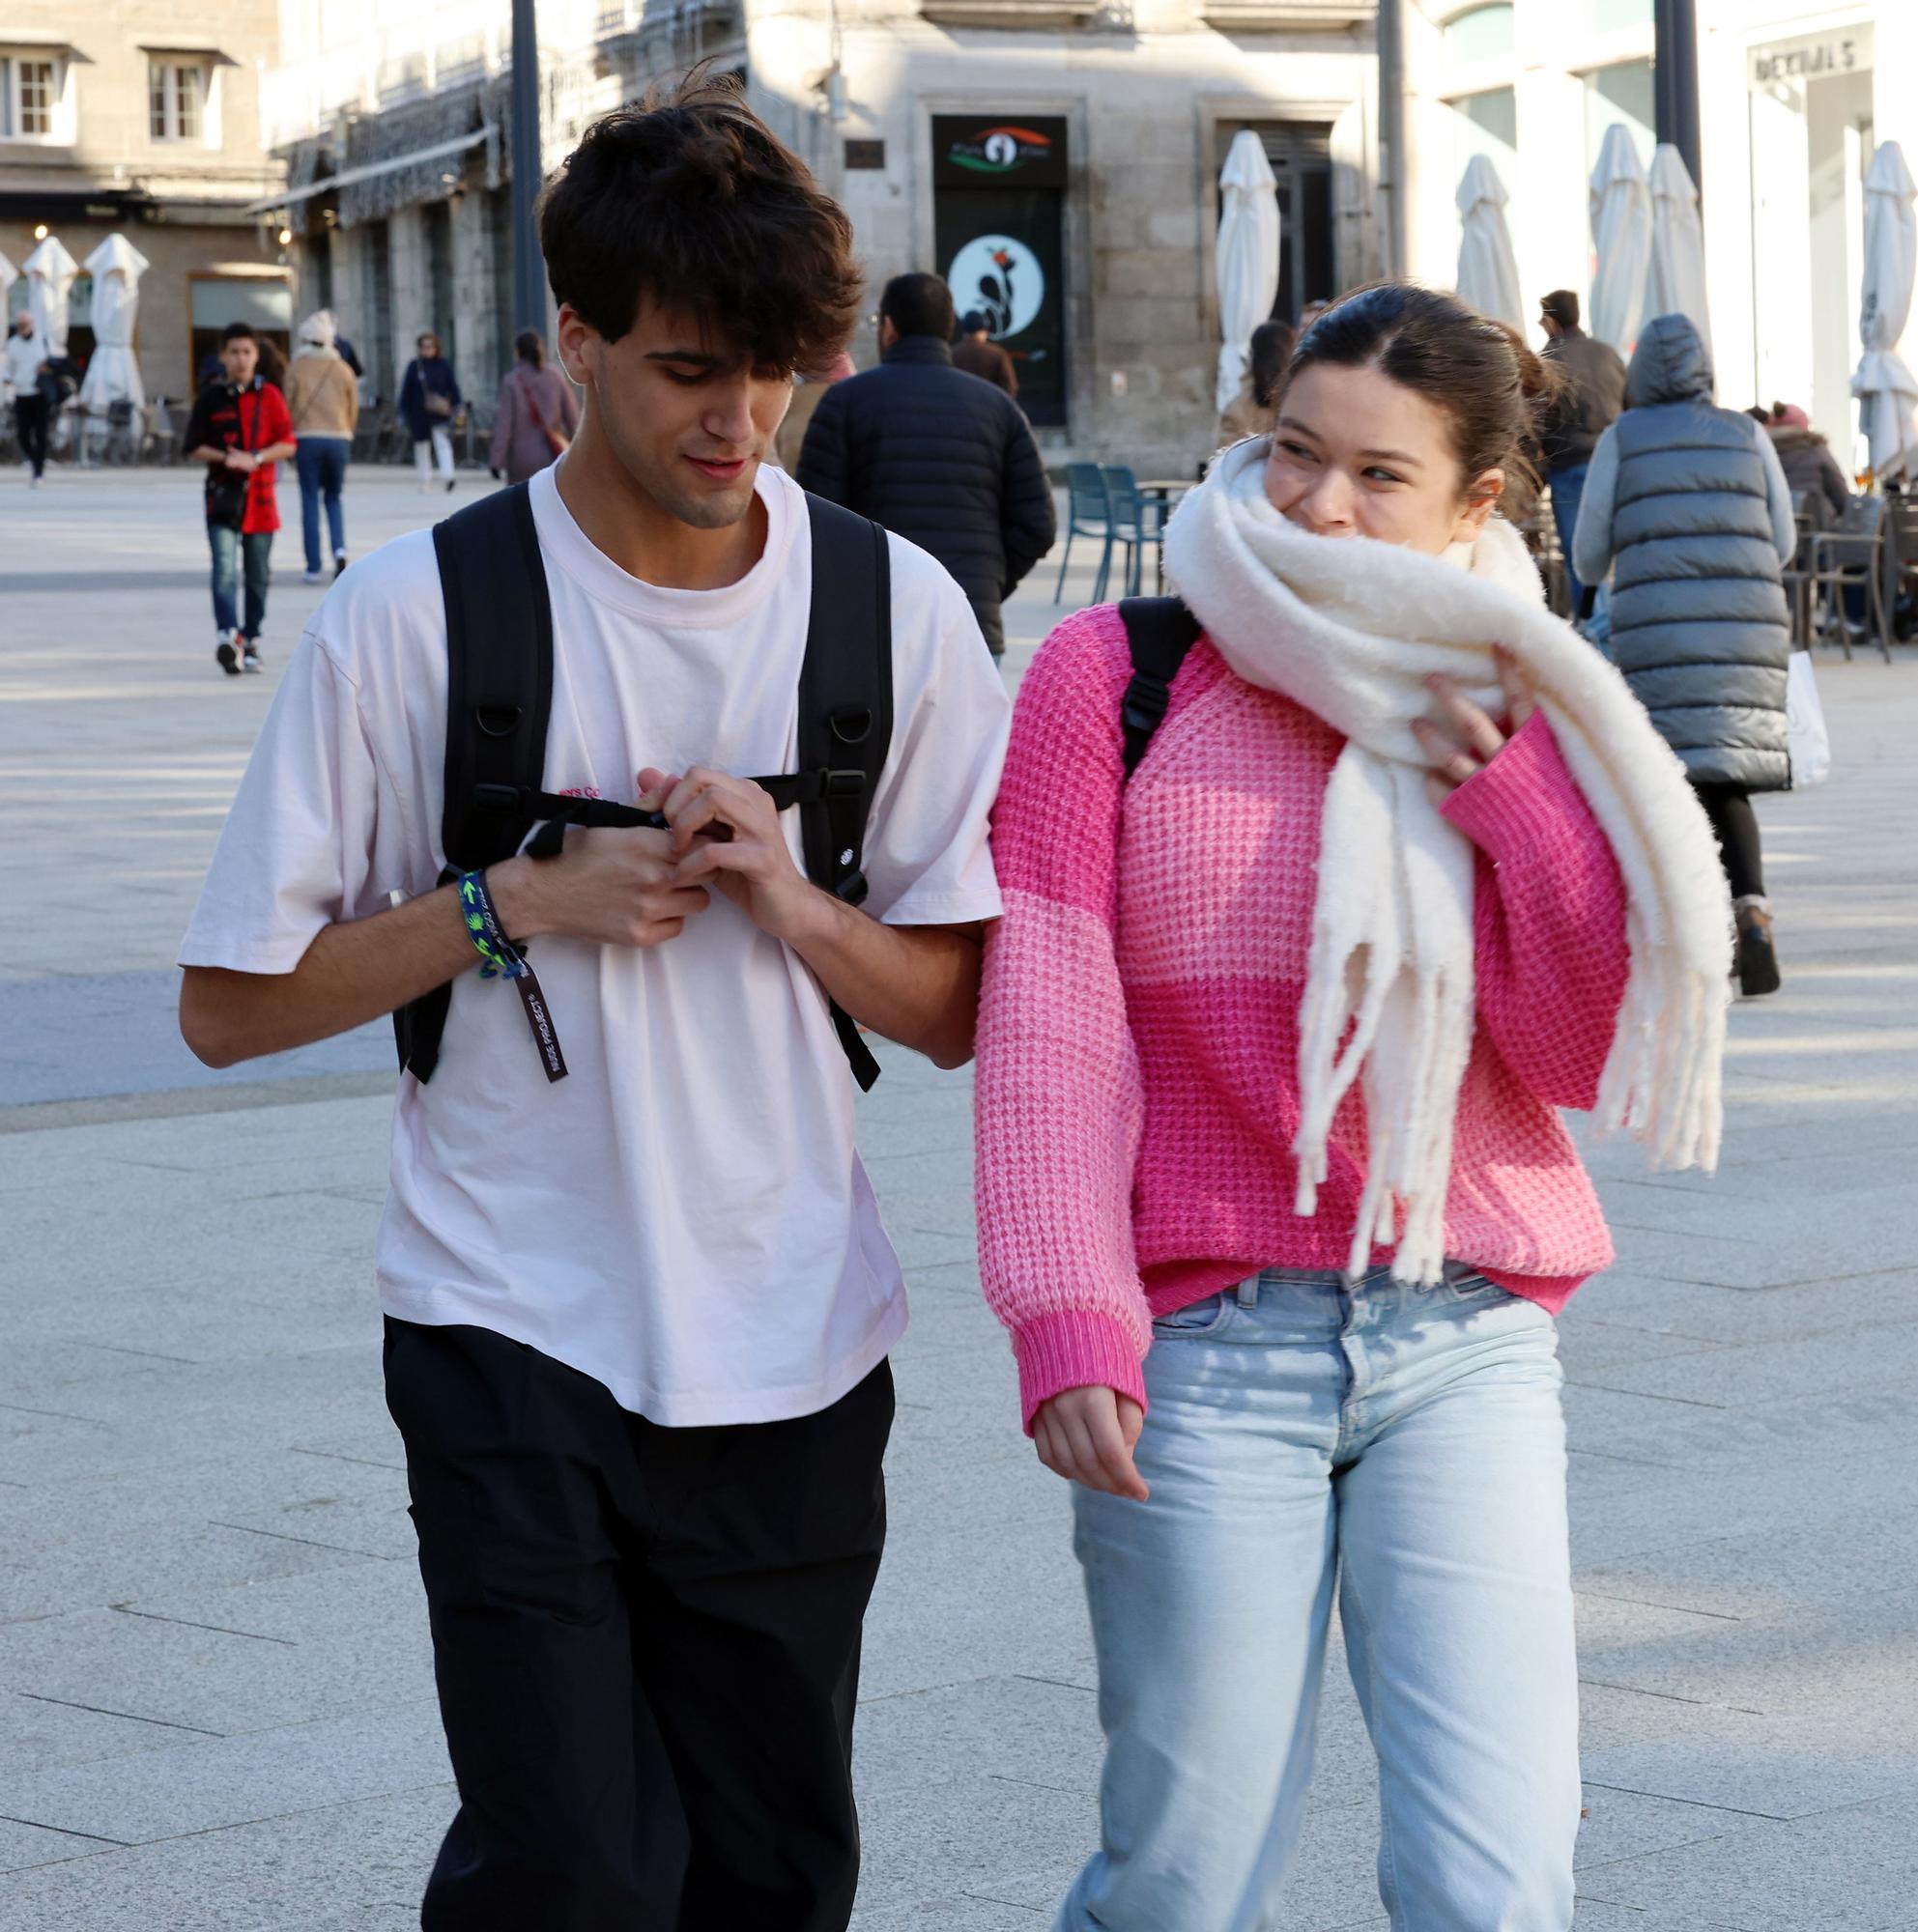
column 1138, row 1089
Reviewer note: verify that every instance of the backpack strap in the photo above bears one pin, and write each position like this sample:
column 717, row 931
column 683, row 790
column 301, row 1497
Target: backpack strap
column 499, row 698
column 845, row 717
column 1161, row 631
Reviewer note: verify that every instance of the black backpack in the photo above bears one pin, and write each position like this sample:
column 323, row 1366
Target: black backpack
column 499, row 697
column 1161, row 631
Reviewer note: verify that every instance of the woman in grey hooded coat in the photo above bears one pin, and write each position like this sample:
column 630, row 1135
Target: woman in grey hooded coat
column 1686, row 505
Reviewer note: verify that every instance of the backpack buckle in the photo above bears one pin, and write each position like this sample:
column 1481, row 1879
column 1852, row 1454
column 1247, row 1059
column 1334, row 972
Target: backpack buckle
column 845, row 784
column 497, row 797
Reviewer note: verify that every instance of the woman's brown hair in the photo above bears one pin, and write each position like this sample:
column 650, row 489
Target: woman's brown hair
column 1479, row 374
column 689, row 199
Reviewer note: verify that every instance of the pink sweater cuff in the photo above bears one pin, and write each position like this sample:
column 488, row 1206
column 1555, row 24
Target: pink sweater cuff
column 1073, row 1349
column 1511, row 802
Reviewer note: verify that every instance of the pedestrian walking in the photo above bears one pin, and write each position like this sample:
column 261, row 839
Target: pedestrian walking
column 28, row 378
column 1274, row 1193
column 1249, row 412
column 537, row 417
column 429, row 401
column 1587, row 403
column 978, row 354
column 1699, row 624
column 239, row 428
column 639, row 1297
column 934, row 454
column 323, row 400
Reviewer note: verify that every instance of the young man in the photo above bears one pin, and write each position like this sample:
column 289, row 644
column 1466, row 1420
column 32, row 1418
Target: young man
column 637, row 1316
column 1591, row 395
column 978, row 354
column 240, row 428
column 26, row 365
column 934, row 454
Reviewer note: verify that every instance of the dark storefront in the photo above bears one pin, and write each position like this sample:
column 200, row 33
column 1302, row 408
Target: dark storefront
column 999, row 191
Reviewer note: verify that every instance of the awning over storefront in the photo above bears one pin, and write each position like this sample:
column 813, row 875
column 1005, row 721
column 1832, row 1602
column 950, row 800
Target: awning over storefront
column 458, row 145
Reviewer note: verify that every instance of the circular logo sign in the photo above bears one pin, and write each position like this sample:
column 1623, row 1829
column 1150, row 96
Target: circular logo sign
column 999, row 277
column 1001, row 150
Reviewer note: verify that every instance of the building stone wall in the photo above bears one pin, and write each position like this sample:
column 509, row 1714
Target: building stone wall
column 180, row 202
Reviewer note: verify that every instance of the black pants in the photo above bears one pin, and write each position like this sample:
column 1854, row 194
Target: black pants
column 646, row 1642
column 30, row 426
column 1736, row 827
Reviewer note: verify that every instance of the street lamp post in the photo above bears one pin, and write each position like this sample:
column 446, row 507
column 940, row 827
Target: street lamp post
column 1675, row 79
column 529, row 284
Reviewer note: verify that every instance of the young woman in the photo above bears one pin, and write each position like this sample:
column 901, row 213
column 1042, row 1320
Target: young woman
column 1274, row 1192
column 536, row 414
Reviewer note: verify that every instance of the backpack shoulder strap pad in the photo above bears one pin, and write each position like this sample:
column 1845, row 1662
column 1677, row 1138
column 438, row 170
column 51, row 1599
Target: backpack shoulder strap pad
column 499, row 698
column 845, row 713
column 498, row 677
column 1161, row 631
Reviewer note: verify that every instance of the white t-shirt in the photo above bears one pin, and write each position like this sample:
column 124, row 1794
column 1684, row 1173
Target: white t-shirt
column 684, row 1217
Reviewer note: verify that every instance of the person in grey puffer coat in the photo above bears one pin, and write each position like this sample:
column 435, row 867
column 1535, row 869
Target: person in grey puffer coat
column 1686, row 504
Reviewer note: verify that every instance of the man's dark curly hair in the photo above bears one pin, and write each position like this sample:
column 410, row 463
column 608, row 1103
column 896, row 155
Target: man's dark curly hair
column 689, row 199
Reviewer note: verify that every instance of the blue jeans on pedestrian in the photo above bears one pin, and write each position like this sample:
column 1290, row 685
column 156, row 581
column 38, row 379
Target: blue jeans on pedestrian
column 1567, row 492
column 232, row 553
column 1410, row 1443
column 321, row 461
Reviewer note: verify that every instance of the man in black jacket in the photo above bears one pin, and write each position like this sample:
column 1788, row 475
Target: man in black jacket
column 1587, row 405
column 939, row 456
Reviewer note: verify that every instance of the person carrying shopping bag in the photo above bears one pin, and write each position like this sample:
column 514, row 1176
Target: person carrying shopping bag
column 429, row 402
column 323, row 398
column 1273, row 1195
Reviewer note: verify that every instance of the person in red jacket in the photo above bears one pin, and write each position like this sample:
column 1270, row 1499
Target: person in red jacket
column 240, row 428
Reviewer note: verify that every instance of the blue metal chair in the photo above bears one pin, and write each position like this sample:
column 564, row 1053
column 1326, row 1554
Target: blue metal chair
column 1087, row 515
column 1136, row 522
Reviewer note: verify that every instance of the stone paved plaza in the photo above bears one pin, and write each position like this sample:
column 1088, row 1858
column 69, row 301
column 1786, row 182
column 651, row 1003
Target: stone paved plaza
column 216, row 1694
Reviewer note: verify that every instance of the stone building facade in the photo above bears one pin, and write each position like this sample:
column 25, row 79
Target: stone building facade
column 1057, row 159
column 143, row 116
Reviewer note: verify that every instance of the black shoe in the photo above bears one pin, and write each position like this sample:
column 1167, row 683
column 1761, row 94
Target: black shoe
column 250, row 659
column 229, row 657
column 339, row 561
column 452, row 483
column 1758, row 957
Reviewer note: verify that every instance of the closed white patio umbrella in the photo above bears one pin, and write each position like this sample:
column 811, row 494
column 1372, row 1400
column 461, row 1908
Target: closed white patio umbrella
column 1622, row 232
column 1247, row 264
column 49, row 271
column 1885, row 387
column 113, row 376
column 1675, row 283
column 1487, row 268
column 9, row 276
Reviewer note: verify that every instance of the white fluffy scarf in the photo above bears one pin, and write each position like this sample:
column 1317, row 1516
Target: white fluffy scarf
column 1351, row 630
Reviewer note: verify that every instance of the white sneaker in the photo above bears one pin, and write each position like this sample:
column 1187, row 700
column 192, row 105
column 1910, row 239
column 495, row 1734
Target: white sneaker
column 312, row 577
column 33, row 482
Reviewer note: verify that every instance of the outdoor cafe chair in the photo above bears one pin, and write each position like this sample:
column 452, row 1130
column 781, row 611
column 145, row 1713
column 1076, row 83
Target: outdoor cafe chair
column 1087, row 515
column 1136, row 519
column 1853, row 554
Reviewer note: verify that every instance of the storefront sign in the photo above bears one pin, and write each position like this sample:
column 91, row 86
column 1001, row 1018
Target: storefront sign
column 1011, row 153
column 1813, row 56
column 999, row 214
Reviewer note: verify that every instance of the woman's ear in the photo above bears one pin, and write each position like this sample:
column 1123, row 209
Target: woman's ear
column 1481, row 498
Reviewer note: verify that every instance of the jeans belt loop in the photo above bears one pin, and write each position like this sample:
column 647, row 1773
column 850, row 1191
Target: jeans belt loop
column 1248, row 1292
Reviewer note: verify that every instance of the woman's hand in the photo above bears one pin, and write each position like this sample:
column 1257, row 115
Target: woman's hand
column 1087, row 1436
column 1459, row 738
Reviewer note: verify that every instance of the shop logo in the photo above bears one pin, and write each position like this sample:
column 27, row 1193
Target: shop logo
column 998, row 151
column 999, row 277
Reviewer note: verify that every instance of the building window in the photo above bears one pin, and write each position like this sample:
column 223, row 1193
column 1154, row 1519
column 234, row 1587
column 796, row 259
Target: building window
column 177, row 101
column 1619, row 95
column 1484, row 33
column 1486, row 123
column 30, row 97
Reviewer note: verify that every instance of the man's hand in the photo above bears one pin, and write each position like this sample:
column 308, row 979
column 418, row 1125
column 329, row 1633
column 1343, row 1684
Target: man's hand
column 242, row 460
column 1088, row 1435
column 609, row 887
column 726, row 830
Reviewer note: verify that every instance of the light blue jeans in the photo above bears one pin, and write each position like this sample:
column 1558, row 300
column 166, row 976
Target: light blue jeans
column 1411, row 1441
